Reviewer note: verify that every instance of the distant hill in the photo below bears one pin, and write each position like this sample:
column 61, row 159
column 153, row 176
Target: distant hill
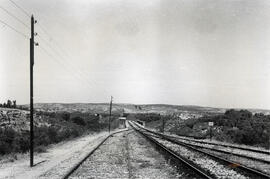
column 127, row 108
column 133, row 108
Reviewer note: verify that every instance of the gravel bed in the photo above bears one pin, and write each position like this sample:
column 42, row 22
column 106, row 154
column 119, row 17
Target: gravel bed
column 213, row 167
column 231, row 150
column 146, row 162
column 126, row 155
column 217, row 142
column 108, row 161
column 210, row 141
column 59, row 168
column 263, row 167
column 64, row 158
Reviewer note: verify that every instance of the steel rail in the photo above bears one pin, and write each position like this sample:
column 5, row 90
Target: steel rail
column 77, row 165
column 191, row 166
column 240, row 166
column 231, row 153
column 213, row 149
column 223, row 145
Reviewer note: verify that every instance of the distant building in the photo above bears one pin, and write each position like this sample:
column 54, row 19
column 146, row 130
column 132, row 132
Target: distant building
column 122, row 122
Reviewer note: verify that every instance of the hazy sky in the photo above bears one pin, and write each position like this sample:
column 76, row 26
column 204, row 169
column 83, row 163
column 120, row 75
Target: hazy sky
column 192, row 52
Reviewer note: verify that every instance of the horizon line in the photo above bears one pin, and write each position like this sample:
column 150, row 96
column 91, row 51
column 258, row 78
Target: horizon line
column 149, row 105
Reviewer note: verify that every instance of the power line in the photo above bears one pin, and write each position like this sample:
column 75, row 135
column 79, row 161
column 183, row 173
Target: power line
column 52, row 42
column 45, row 31
column 66, row 62
column 56, row 59
column 61, row 57
column 56, row 44
column 12, row 15
column 79, row 72
column 19, row 7
column 63, row 64
column 14, row 29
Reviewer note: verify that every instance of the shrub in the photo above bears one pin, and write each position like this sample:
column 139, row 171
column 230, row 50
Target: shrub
column 58, row 127
column 78, row 120
column 66, row 116
column 7, row 136
column 21, row 142
column 40, row 149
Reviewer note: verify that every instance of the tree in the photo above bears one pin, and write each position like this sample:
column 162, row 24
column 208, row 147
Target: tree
column 8, row 117
column 78, row 120
column 14, row 104
column 66, row 116
column 4, row 105
column 9, row 103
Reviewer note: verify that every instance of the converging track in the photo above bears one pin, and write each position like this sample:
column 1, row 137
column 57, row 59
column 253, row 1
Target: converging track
column 125, row 155
column 188, row 158
column 178, row 160
column 192, row 148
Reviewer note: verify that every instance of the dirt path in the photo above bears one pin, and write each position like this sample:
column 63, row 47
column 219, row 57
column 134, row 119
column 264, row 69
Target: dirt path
column 55, row 162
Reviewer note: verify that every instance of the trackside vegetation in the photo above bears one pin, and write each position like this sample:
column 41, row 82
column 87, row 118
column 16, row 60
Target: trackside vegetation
column 234, row 126
column 56, row 127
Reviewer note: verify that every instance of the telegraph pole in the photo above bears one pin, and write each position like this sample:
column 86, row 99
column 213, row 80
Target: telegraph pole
column 32, row 44
column 163, row 124
column 110, row 114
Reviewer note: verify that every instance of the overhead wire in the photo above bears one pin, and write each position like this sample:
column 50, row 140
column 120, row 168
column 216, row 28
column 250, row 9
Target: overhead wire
column 52, row 41
column 14, row 29
column 19, row 7
column 74, row 74
column 15, row 17
column 79, row 71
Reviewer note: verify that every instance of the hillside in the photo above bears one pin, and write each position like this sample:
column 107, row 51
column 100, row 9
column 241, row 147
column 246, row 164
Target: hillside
column 184, row 110
column 127, row 108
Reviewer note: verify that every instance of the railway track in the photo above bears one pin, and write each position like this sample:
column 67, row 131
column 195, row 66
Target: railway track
column 187, row 138
column 178, row 160
column 222, row 148
column 222, row 145
column 193, row 169
column 267, row 152
column 255, row 160
column 253, row 173
column 76, row 166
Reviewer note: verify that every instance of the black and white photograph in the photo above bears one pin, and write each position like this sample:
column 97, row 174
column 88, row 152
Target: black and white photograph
column 134, row 89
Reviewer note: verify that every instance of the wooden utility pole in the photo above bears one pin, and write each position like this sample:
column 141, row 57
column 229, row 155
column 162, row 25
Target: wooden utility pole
column 163, row 124
column 110, row 114
column 32, row 44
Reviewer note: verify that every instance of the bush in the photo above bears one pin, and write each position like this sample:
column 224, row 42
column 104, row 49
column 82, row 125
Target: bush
column 242, row 127
column 7, row 136
column 40, row 149
column 78, row 120
column 66, row 116
column 21, row 142
column 58, row 127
